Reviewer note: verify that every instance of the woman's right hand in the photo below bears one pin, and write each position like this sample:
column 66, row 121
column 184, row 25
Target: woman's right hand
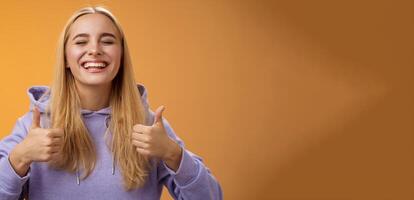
column 40, row 145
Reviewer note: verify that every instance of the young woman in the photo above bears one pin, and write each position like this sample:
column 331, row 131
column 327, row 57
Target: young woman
column 93, row 135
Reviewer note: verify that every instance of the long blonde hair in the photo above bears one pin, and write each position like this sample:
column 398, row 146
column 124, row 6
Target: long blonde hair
column 78, row 151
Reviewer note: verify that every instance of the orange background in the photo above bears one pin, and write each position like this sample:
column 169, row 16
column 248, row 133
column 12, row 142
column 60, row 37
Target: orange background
column 283, row 99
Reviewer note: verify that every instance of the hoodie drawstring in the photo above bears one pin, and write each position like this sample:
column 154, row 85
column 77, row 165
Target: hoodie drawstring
column 77, row 177
column 113, row 157
column 107, row 121
column 113, row 165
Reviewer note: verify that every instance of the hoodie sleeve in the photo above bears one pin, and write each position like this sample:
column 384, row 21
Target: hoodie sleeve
column 192, row 180
column 10, row 182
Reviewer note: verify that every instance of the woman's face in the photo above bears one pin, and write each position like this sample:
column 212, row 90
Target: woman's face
column 93, row 50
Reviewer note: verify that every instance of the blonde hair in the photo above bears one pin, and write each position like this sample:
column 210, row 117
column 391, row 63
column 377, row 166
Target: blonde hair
column 78, row 151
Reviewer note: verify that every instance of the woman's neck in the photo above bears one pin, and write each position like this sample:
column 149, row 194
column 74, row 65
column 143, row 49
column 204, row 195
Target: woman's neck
column 94, row 97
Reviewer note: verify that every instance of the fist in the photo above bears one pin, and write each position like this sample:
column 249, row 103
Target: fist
column 41, row 145
column 153, row 140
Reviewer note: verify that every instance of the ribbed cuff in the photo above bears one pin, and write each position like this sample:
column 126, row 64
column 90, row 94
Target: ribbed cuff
column 187, row 172
column 9, row 179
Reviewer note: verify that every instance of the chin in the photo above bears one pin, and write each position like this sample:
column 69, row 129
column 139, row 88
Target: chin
column 95, row 82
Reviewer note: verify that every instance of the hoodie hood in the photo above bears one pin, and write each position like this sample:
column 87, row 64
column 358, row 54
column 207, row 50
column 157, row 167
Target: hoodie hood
column 40, row 95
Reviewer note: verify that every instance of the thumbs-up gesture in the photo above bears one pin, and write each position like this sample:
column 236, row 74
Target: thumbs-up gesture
column 40, row 145
column 154, row 141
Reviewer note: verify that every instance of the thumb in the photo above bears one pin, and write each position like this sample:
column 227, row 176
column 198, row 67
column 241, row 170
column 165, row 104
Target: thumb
column 36, row 118
column 158, row 115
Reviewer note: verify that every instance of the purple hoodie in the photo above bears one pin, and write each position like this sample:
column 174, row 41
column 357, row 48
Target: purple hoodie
column 192, row 180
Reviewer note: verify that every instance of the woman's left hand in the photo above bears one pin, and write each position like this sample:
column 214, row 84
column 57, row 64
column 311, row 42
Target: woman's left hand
column 154, row 141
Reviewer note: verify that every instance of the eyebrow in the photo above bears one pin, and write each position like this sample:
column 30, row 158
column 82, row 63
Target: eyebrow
column 87, row 35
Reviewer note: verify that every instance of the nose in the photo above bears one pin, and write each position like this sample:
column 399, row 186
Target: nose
column 94, row 50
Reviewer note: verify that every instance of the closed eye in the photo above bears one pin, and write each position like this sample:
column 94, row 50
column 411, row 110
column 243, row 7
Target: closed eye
column 80, row 42
column 108, row 42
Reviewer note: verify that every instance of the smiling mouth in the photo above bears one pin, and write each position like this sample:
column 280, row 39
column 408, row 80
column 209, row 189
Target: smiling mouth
column 97, row 65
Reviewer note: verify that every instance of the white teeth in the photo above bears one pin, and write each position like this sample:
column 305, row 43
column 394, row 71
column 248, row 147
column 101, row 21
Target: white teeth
column 94, row 64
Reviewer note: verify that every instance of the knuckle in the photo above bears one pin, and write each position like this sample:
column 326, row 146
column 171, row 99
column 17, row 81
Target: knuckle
column 46, row 157
column 47, row 141
column 54, row 141
column 137, row 127
column 48, row 132
column 48, row 150
column 57, row 141
column 145, row 152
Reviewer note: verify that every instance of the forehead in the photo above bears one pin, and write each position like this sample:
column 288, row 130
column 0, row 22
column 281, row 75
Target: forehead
column 93, row 24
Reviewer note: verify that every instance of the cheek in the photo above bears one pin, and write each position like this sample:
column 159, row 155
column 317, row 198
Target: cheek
column 115, row 54
column 72, row 56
